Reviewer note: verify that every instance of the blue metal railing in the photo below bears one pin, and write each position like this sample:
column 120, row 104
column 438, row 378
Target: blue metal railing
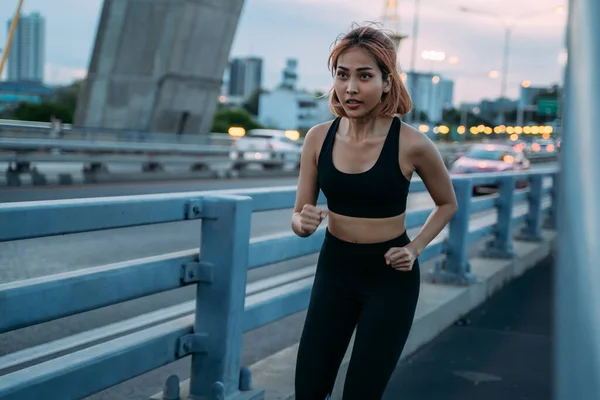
column 225, row 306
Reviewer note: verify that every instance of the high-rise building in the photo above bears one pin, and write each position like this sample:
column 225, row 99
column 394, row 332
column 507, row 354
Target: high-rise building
column 287, row 107
column 290, row 74
column 236, row 77
column 528, row 95
column 253, row 76
column 26, row 58
column 430, row 93
column 245, row 76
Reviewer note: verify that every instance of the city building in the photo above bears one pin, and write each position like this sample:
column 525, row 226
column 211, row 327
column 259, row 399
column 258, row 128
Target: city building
column 245, row 77
column 529, row 94
column 492, row 109
column 286, row 107
column 289, row 78
column 26, row 58
column 538, row 102
column 431, row 94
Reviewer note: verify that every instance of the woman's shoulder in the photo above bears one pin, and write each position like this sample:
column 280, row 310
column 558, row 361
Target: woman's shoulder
column 414, row 140
column 316, row 134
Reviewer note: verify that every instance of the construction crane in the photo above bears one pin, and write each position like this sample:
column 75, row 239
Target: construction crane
column 11, row 33
column 391, row 19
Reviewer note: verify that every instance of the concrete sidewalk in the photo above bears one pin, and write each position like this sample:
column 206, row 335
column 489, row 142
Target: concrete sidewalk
column 503, row 352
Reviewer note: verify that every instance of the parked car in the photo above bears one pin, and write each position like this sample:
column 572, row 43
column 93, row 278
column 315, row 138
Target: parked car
column 483, row 158
column 270, row 148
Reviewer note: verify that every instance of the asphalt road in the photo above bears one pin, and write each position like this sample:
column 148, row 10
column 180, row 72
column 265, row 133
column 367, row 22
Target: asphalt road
column 505, row 352
column 43, row 256
column 35, row 193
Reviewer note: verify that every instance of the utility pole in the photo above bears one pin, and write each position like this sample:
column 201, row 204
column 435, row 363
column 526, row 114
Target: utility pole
column 413, row 58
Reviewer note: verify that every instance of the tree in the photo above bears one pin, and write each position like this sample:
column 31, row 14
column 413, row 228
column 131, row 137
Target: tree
column 419, row 115
column 228, row 117
column 43, row 112
column 454, row 117
column 67, row 95
column 451, row 116
column 61, row 104
column 252, row 103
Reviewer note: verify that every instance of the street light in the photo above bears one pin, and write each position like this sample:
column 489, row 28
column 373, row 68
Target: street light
column 434, row 55
column 508, row 24
column 453, row 60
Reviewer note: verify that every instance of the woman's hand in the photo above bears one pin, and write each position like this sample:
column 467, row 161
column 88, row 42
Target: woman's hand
column 310, row 218
column 401, row 258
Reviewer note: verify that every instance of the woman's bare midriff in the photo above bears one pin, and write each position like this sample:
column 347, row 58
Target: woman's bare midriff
column 366, row 230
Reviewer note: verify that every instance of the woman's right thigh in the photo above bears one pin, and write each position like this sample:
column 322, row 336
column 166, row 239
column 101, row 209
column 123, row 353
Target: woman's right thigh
column 331, row 317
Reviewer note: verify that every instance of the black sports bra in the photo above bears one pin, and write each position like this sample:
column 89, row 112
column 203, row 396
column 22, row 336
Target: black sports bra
column 380, row 192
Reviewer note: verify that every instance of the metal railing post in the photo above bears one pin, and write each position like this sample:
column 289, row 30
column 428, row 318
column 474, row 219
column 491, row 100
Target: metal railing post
column 551, row 218
column 532, row 231
column 577, row 271
column 501, row 246
column 216, row 347
column 456, row 268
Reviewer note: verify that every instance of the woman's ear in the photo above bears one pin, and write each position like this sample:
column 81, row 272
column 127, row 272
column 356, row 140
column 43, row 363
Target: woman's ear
column 387, row 84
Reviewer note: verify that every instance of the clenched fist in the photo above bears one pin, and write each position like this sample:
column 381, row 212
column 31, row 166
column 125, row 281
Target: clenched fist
column 401, row 258
column 310, row 218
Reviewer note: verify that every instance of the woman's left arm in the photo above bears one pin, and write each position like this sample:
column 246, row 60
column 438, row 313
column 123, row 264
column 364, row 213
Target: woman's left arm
column 430, row 166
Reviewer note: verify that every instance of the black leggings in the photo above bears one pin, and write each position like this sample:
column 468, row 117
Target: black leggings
column 354, row 288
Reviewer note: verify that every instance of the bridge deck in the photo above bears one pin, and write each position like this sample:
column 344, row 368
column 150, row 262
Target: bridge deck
column 503, row 353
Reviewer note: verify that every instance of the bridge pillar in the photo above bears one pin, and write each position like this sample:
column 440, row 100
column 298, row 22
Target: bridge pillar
column 157, row 65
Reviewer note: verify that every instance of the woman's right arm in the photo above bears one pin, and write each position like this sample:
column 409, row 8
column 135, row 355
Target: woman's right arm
column 308, row 189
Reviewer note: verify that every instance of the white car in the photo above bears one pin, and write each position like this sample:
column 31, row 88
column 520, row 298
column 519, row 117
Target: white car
column 270, row 148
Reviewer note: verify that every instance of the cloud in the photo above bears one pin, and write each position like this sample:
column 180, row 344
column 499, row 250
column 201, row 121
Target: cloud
column 57, row 74
column 306, row 28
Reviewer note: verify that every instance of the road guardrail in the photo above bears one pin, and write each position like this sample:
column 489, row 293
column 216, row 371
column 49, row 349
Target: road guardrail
column 209, row 329
column 210, row 156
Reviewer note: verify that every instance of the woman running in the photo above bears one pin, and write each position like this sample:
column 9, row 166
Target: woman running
column 368, row 273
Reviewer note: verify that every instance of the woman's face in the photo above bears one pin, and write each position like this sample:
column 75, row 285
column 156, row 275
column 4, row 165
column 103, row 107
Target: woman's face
column 359, row 83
